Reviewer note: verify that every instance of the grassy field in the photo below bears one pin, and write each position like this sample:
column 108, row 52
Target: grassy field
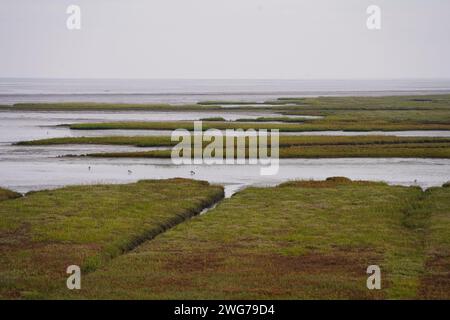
column 44, row 232
column 298, row 240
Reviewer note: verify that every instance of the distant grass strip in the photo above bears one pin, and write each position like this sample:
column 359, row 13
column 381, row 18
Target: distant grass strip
column 290, row 146
column 435, row 282
column 273, row 119
column 414, row 102
column 213, row 119
column 217, row 102
column 319, row 104
column 320, row 151
column 310, row 125
column 300, row 240
column 44, row 232
column 150, row 141
column 173, row 125
column 389, row 113
column 286, row 141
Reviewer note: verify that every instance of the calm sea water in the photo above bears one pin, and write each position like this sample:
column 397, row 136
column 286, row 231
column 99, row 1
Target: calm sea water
column 189, row 91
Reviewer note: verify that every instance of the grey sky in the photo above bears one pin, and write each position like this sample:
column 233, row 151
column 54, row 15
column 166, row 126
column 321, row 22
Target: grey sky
column 225, row 39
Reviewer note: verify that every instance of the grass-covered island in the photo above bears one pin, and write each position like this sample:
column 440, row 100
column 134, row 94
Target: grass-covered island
column 44, row 232
column 305, row 239
column 326, row 124
column 290, row 146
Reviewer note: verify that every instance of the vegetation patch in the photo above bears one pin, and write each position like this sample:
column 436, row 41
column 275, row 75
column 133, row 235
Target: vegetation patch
column 306, row 239
column 435, row 282
column 134, row 141
column 412, row 150
column 326, row 124
column 213, row 119
column 285, row 141
column 290, row 146
column 44, row 232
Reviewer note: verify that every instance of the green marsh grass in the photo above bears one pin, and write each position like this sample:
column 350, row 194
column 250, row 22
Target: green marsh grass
column 380, row 151
column 44, row 232
column 286, row 141
column 395, row 113
column 307, row 125
column 300, row 240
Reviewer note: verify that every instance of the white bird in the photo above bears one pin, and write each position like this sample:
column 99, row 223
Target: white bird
column 130, row 172
column 192, row 173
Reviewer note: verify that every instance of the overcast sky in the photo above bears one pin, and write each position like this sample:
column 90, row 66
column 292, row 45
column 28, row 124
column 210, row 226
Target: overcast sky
column 274, row 39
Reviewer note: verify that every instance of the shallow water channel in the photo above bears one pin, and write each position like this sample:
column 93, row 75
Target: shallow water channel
column 25, row 168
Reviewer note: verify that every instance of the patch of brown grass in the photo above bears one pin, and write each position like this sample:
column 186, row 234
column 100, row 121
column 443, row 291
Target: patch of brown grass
column 436, row 283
